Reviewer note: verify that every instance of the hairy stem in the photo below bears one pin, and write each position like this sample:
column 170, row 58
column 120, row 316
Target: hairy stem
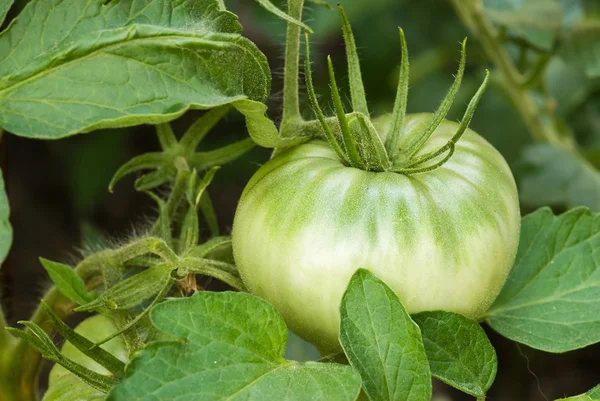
column 471, row 14
column 291, row 103
column 20, row 363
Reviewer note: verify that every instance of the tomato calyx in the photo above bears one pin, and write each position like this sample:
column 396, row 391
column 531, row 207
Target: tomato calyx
column 359, row 144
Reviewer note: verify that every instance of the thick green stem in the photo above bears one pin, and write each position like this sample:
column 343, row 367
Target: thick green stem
column 291, row 103
column 470, row 12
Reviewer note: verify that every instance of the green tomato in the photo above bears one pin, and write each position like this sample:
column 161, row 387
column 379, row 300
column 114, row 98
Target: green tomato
column 442, row 240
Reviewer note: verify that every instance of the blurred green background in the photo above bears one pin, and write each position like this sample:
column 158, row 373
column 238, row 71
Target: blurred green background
column 58, row 190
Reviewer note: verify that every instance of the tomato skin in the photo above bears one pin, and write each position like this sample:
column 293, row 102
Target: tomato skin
column 442, row 240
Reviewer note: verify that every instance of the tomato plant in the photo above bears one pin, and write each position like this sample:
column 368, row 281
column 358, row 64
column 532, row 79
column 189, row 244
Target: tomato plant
column 387, row 236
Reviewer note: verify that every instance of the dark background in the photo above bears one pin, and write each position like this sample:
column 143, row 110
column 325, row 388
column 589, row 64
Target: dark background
column 60, row 203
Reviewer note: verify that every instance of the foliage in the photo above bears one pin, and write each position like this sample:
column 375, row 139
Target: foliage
column 69, row 67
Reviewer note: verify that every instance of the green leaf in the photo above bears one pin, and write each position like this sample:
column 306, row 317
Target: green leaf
column 70, row 388
column 382, row 342
column 67, row 281
column 122, row 63
column 459, row 352
column 550, row 300
column 595, row 393
column 536, row 21
column 558, row 178
column 224, row 155
column 231, row 344
column 262, row 130
column 209, row 213
column 213, row 245
column 592, row 395
column 4, row 8
column 271, row 8
column 583, row 397
column 5, row 227
column 580, row 46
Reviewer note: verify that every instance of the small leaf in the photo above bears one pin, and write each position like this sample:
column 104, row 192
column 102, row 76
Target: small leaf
column 558, row 178
column 146, row 161
column 262, row 130
column 459, row 352
column 580, row 46
column 371, row 146
column 271, row 8
column 162, row 226
column 382, row 342
column 357, row 88
column 224, row 155
column 67, row 281
column 208, row 211
column 233, row 345
column 550, row 300
column 212, row 245
column 198, row 130
column 155, row 179
column 5, row 227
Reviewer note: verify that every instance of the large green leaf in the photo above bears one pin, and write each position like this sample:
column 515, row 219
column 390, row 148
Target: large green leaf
column 382, row 342
column 70, row 66
column 537, row 21
column 459, row 352
column 5, row 227
column 4, row 8
column 551, row 300
column 559, row 178
column 231, row 348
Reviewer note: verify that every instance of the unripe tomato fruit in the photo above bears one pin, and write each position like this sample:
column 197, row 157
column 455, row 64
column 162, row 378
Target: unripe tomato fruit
column 445, row 239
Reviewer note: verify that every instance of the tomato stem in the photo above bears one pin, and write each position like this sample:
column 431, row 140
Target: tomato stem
column 291, row 103
column 464, row 124
column 347, row 138
column 333, row 142
column 357, row 89
column 422, row 138
column 417, row 170
column 395, row 131
column 159, row 297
